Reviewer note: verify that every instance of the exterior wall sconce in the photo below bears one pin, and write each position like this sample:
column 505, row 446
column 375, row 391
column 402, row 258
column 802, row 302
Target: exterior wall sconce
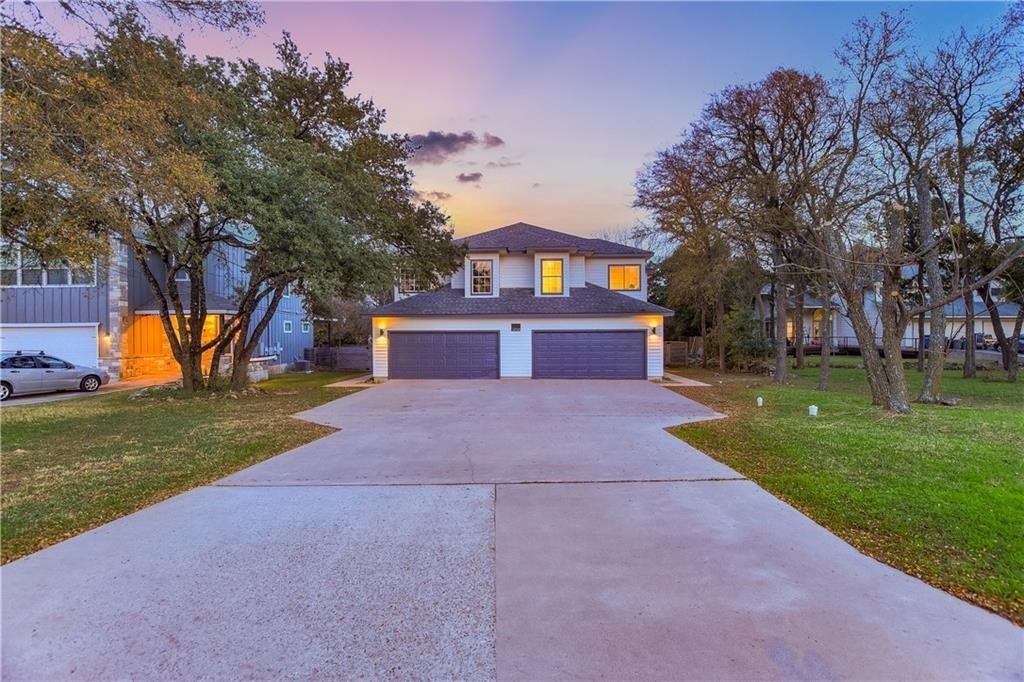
column 383, row 332
column 654, row 331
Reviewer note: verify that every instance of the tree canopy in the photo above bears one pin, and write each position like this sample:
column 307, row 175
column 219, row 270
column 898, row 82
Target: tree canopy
column 906, row 161
column 133, row 142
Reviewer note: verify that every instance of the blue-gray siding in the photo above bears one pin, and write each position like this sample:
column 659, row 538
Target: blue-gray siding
column 49, row 305
column 226, row 274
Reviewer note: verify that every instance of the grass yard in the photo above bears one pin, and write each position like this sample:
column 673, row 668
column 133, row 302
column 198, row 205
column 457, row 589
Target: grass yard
column 938, row 494
column 73, row 465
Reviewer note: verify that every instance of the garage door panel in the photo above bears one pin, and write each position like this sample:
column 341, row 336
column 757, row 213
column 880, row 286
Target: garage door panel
column 590, row 354
column 443, row 355
column 76, row 344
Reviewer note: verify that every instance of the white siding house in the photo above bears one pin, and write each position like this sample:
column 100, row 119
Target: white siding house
column 528, row 302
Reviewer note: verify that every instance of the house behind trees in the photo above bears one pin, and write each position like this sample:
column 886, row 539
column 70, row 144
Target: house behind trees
column 107, row 315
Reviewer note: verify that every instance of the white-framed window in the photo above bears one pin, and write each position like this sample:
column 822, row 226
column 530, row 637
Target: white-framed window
column 408, row 283
column 287, row 293
column 624, row 277
column 481, row 281
column 181, row 276
column 551, row 276
column 287, row 326
column 306, row 326
column 21, row 268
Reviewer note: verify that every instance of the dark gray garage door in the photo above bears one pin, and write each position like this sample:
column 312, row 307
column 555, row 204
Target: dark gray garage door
column 590, row 355
column 443, row 355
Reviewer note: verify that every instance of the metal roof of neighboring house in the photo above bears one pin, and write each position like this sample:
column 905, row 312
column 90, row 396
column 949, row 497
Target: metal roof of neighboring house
column 954, row 309
column 215, row 303
column 591, row 300
column 526, row 238
column 957, row 308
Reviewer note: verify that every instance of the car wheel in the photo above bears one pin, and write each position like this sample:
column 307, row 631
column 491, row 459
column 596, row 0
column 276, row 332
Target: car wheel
column 5, row 390
column 90, row 383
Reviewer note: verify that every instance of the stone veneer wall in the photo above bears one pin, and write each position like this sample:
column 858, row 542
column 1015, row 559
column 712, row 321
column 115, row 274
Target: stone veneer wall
column 111, row 341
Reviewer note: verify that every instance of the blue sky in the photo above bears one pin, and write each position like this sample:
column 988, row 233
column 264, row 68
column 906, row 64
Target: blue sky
column 580, row 94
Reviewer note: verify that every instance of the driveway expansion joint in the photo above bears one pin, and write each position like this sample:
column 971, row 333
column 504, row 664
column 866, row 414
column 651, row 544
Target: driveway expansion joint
column 415, row 484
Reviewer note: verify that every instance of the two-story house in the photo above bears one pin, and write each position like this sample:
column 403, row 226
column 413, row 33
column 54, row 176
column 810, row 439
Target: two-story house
column 107, row 316
column 528, row 302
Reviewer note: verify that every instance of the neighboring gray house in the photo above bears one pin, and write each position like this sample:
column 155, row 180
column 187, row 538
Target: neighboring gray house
column 843, row 336
column 107, row 316
column 528, row 302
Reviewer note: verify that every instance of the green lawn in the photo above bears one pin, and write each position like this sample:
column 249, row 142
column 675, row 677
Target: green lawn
column 938, row 494
column 73, row 465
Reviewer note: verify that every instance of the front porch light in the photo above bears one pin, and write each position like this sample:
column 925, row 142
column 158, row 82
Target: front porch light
column 654, row 331
column 383, row 332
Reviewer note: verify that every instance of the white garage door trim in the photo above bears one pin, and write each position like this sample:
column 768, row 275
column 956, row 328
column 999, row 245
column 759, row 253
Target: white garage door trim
column 80, row 349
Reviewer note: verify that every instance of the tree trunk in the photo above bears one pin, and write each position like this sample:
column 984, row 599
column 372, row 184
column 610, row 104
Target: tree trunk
column 720, row 329
column 825, row 337
column 703, row 340
column 249, row 338
column 188, row 374
column 878, row 380
column 893, row 326
column 1011, row 370
column 762, row 309
column 190, row 354
column 920, row 343
column 931, row 387
column 218, row 353
column 1007, row 350
column 239, row 374
column 780, row 317
column 970, row 357
column 798, row 327
column 920, row 283
column 780, row 346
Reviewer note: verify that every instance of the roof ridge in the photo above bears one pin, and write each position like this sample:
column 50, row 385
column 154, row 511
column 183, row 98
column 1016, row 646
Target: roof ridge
column 520, row 235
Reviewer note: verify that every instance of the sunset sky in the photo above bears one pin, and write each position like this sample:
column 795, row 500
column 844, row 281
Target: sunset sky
column 562, row 103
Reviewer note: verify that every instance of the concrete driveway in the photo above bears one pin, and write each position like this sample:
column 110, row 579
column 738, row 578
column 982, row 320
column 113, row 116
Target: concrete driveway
column 472, row 530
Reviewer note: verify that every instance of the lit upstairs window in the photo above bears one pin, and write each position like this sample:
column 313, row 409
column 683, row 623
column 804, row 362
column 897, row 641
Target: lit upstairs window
column 551, row 276
column 624, row 277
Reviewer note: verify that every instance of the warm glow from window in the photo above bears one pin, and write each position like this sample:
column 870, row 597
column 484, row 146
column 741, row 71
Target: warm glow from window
column 551, row 276
column 624, row 277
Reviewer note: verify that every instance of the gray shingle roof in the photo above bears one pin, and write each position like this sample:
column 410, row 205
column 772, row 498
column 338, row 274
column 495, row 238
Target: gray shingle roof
column 215, row 303
column 591, row 300
column 522, row 237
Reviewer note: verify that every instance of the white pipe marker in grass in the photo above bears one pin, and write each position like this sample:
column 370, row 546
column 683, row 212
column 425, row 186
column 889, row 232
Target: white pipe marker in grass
column 760, row 401
column 813, row 410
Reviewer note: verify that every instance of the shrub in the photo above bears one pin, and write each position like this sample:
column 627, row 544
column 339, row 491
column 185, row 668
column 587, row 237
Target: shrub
column 746, row 344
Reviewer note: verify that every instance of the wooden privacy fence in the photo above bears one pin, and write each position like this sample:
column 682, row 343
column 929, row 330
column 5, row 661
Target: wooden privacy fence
column 339, row 357
column 678, row 352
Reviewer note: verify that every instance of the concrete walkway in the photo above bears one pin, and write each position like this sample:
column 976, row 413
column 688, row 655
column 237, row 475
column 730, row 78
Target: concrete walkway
column 471, row 530
column 671, row 378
